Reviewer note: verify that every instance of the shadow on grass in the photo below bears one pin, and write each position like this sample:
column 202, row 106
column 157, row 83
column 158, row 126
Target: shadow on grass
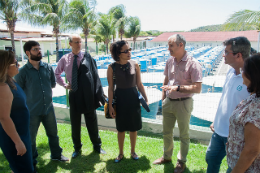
column 194, row 171
column 83, row 163
column 160, row 136
column 128, row 165
column 168, row 167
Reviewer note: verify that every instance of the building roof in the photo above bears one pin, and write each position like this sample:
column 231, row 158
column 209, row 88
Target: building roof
column 209, row 36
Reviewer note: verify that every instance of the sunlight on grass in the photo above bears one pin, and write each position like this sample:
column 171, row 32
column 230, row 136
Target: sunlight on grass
column 148, row 147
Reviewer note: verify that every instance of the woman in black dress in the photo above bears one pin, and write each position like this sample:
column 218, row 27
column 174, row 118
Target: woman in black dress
column 14, row 117
column 128, row 110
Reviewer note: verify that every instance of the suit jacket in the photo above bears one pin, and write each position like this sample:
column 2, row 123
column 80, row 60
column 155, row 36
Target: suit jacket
column 90, row 92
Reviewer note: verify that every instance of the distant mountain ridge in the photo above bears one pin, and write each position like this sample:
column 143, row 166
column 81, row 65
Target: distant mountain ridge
column 209, row 28
column 214, row 28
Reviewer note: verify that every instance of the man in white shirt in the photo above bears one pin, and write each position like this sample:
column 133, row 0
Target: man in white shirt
column 234, row 91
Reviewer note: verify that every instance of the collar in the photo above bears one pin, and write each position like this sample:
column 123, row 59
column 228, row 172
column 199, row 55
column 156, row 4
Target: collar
column 251, row 97
column 79, row 54
column 239, row 75
column 31, row 66
column 184, row 58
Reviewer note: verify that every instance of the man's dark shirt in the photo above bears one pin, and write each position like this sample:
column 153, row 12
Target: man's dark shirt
column 37, row 85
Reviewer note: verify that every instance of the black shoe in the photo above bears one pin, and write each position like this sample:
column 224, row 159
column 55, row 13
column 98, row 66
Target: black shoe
column 101, row 151
column 76, row 153
column 61, row 158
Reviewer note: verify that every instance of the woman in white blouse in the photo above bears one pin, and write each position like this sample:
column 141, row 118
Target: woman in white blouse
column 243, row 147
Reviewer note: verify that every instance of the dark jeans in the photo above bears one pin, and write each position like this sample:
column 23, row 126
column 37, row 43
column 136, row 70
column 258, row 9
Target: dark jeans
column 50, row 125
column 215, row 153
column 91, row 124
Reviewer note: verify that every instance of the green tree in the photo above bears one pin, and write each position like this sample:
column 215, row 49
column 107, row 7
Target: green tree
column 81, row 15
column 143, row 33
column 46, row 12
column 243, row 20
column 9, row 14
column 97, row 38
column 133, row 28
column 105, row 28
column 120, row 19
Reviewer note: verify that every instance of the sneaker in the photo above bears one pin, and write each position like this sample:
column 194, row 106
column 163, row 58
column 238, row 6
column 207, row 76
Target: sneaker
column 61, row 158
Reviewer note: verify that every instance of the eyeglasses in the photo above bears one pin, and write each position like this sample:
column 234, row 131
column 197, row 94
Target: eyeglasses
column 127, row 50
column 15, row 64
column 77, row 42
column 36, row 49
column 234, row 53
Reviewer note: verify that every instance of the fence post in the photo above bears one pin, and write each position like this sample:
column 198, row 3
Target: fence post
column 48, row 56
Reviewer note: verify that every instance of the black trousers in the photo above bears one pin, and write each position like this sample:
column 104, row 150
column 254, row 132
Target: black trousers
column 91, row 124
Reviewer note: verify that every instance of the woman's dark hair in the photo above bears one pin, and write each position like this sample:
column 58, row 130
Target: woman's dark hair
column 251, row 70
column 115, row 49
column 6, row 59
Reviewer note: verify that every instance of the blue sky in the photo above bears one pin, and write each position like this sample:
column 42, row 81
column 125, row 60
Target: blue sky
column 172, row 15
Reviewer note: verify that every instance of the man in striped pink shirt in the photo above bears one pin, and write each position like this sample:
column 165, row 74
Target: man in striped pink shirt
column 183, row 78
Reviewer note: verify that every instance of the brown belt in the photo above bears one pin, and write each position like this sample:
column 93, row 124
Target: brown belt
column 179, row 99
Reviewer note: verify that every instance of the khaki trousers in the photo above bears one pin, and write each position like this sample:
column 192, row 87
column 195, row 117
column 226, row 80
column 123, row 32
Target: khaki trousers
column 180, row 111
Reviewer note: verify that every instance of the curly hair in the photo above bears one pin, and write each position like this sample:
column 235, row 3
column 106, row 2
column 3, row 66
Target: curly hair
column 251, row 70
column 115, row 49
column 6, row 58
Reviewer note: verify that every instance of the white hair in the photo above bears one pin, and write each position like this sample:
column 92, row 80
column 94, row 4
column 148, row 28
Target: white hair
column 178, row 38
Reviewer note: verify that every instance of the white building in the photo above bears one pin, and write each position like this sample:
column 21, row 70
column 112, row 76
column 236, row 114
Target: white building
column 198, row 39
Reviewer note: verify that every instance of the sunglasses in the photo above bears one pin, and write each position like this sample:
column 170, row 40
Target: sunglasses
column 15, row 64
column 126, row 51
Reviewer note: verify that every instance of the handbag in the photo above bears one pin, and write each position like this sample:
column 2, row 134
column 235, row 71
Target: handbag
column 143, row 102
column 106, row 106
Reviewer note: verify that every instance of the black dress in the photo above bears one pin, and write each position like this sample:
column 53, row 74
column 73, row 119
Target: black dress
column 20, row 116
column 128, row 110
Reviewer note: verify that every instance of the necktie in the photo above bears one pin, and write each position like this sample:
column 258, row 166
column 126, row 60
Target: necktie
column 74, row 85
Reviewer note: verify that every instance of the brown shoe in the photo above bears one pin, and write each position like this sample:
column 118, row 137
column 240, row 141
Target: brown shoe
column 180, row 167
column 161, row 161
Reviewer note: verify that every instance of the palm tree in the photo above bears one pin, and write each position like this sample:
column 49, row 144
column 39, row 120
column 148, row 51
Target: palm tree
column 9, row 14
column 133, row 28
column 81, row 15
column 97, row 38
column 120, row 19
column 105, row 28
column 243, row 20
column 46, row 12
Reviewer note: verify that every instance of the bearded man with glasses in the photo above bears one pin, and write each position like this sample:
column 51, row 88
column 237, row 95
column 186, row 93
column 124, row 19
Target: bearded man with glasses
column 37, row 79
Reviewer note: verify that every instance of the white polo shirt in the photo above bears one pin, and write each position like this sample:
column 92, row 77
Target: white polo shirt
column 234, row 91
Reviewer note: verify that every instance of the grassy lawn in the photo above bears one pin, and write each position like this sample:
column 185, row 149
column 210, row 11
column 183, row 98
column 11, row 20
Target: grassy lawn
column 149, row 147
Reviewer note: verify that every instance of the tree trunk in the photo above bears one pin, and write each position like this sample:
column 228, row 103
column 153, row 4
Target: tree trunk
column 86, row 44
column 57, row 47
column 12, row 40
column 134, row 42
column 121, row 37
column 96, row 48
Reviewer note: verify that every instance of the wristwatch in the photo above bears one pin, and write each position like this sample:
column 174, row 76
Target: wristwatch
column 178, row 89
